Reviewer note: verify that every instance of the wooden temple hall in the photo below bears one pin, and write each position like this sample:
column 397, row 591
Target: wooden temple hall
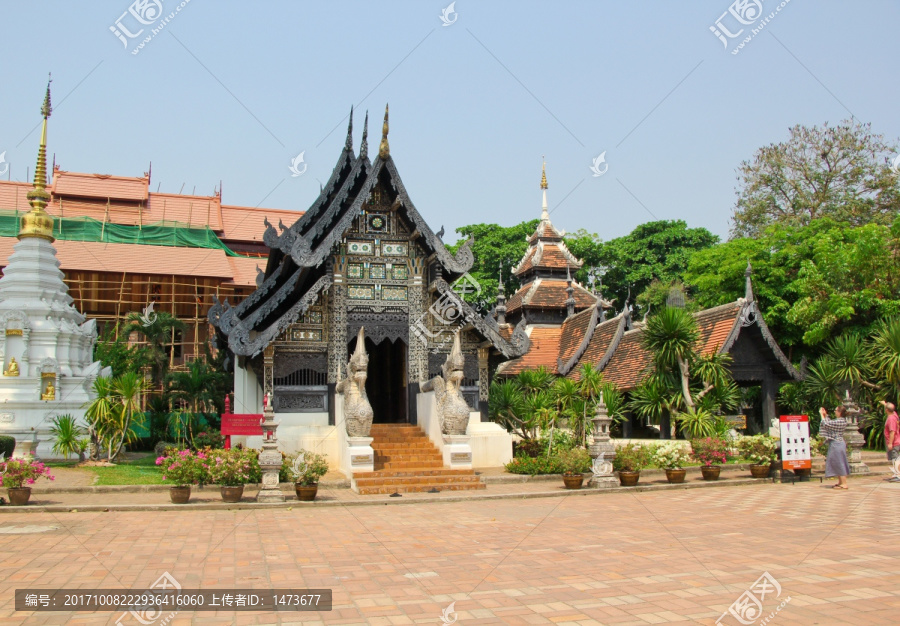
column 362, row 257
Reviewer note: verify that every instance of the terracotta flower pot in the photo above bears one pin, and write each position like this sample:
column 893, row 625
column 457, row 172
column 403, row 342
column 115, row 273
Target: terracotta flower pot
column 676, row 475
column 231, row 493
column 629, row 479
column 760, row 471
column 306, row 493
column 180, row 495
column 710, row 472
column 573, row 481
column 18, row 496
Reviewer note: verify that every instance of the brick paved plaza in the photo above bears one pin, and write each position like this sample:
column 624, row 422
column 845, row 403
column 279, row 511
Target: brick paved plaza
column 644, row 558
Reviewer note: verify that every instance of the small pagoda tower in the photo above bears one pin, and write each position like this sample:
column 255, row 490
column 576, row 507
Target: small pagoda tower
column 46, row 345
column 547, row 295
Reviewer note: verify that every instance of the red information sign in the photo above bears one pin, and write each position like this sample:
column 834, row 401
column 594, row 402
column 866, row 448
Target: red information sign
column 239, row 424
column 795, row 448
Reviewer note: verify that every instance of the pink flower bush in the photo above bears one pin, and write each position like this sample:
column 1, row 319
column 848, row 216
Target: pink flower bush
column 184, row 467
column 710, row 451
column 17, row 473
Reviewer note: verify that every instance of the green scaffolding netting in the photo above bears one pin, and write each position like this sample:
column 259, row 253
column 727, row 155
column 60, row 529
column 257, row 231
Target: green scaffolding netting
column 166, row 233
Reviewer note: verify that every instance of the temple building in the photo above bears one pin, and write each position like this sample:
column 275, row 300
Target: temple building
column 46, row 344
column 361, row 257
column 569, row 327
column 123, row 247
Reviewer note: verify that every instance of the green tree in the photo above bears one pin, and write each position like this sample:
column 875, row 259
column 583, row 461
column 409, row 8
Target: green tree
column 201, row 387
column 495, row 245
column 112, row 350
column 655, row 251
column 158, row 330
column 841, row 172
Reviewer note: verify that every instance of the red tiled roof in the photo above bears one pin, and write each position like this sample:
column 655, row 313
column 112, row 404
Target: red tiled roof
column 573, row 332
column 194, row 210
column 549, row 294
column 136, row 259
column 601, row 343
column 552, row 255
column 715, row 325
column 543, row 351
column 629, row 363
column 246, row 223
column 99, row 186
column 244, row 270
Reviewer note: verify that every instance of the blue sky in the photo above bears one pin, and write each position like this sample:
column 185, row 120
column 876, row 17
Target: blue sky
column 233, row 91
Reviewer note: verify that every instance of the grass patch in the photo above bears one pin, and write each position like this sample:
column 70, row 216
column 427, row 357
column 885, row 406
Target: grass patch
column 136, row 471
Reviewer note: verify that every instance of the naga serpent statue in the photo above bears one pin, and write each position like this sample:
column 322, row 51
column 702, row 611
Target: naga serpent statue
column 453, row 410
column 358, row 412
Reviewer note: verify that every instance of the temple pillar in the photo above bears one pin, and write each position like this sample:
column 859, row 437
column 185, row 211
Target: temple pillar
column 769, row 391
column 484, row 383
column 268, row 371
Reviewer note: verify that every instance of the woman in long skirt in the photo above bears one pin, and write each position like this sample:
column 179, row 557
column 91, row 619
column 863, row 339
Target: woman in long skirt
column 832, row 430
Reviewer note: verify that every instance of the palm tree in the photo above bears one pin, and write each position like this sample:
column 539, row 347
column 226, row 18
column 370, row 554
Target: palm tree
column 590, row 386
column 200, row 387
column 568, row 400
column 670, row 335
column 506, row 405
column 157, row 331
column 66, row 434
column 127, row 389
column 99, row 412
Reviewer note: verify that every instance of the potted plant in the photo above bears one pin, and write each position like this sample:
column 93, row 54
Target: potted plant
column 306, row 470
column 672, row 457
column 761, row 451
column 183, row 468
column 712, row 453
column 575, row 463
column 630, row 459
column 17, row 475
column 230, row 469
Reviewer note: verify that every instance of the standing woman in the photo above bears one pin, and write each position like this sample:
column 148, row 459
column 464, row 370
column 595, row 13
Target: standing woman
column 832, row 430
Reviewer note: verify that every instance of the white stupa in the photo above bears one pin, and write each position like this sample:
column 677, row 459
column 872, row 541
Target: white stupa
column 46, row 345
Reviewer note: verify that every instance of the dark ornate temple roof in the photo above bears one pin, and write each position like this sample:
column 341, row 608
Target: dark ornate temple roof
column 298, row 268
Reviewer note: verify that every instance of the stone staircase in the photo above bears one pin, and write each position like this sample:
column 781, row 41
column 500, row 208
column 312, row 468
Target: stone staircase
column 406, row 461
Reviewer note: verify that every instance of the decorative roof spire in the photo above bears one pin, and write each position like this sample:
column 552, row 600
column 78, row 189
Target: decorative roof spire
column 570, row 291
column 384, row 150
column 348, row 145
column 364, row 146
column 501, row 299
column 37, row 223
column 545, row 215
column 748, row 288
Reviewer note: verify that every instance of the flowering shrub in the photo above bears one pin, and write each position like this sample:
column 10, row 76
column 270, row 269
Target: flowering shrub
column 17, row 473
column 535, row 465
column 631, row 458
column 759, row 449
column 575, row 461
column 230, row 468
column 208, row 439
column 307, row 467
column 710, row 451
column 183, row 467
column 671, row 455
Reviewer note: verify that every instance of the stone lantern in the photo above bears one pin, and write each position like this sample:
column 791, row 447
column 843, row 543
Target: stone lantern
column 853, row 437
column 602, row 449
column 269, row 457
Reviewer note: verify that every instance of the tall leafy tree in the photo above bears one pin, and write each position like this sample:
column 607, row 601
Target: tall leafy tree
column 494, row 246
column 841, row 172
column 158, row 331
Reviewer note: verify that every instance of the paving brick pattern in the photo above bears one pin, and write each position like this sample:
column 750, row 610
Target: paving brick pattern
column 624, row 558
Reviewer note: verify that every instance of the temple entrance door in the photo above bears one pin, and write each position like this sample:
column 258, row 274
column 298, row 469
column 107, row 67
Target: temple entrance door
column 386, row 381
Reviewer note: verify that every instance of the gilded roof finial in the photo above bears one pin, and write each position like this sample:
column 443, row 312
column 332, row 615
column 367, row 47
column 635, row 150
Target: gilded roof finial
column 544, row 175
column 384, row 150
column 545, row 214
column 348, row 145
column 364, row 146
column 37, row 223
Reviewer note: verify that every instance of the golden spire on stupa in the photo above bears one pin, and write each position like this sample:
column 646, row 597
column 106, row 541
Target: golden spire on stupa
column 37, row 222
column 544, row 175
